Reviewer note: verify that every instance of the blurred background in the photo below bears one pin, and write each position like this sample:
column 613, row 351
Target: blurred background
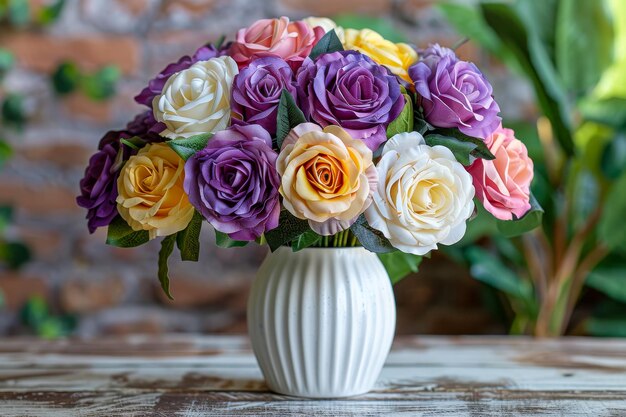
column 69, row 72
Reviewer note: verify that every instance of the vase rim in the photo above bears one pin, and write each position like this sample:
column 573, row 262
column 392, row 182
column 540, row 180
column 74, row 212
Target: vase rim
column 359, row 248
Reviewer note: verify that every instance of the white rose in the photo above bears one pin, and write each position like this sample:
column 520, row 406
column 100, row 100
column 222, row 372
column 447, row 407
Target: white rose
column 197, row 100
column 326, row 24
column 424, row 195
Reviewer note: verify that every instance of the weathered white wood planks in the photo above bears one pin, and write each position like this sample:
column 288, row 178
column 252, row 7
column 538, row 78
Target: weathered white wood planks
column 178, row 375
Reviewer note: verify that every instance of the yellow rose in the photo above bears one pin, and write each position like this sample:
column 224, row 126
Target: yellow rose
column 151, row 195
column 327, row 177
column 398, row 57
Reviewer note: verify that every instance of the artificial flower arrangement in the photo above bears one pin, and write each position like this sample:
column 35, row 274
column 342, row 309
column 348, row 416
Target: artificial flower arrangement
column 305, row 134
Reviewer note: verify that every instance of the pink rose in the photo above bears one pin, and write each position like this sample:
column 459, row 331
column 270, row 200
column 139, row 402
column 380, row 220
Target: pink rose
column 291, row 41
column 503, row 184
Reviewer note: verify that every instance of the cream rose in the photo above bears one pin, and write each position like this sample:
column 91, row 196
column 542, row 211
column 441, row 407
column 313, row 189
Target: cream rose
column 327, row 177
column 397, row 57
column 151, row 195
column 424, row 196
column 196, row 100
column 326, row 24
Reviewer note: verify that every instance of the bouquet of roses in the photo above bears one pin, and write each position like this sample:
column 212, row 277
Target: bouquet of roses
column 307, row 134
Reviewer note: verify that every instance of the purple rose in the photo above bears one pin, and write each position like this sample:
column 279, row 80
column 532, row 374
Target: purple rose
column 350, row 90
column 98, row 188
column 454, row 93
column 234, row 184
column 145, row 126
column 155, row 86
column 256, row 92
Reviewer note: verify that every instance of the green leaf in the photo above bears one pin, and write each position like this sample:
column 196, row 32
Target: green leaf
column 480, row 150
column 6, row 151
column 399, row 264
column 612, row 227
column 121, row 235
column 607, row 319
column 50, row 13
column 609, row 280
column 289, row 228
column 66, row 78
column 461, row 150
column 529, row 221
column 584, row 44
column 13, row 112
column 370, row 238
column 14, row 254
column 186, row 148
column 288, row 117
column 487, row 268
column 385, row 28
column 167, row 247
column 535, row 63
column 6, row 216
column 613, row 157
column 6, row 61
column 306, row 239
column 188, row 240
column 329, row 43
column 18, row 12
column 420, row 125
column 404, row 122
column 100, row 85
column 223, row 241
column 611, row 112
column 34, row 311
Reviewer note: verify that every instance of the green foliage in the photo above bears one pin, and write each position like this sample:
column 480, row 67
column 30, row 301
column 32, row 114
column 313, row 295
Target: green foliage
column 7, row 60
column 529, row 221
column 612, row 227
column 608, row 319
column 187, row 147
column 610, row 112
column 13, row 111
column 36, row 315
column 167, row 247
column 14, row 254
column 188, row 240
column 288, row 117
column 66, row 78
column 399, row 264
column 290, row 229
column 120, row 234
column 329, row 43
column 50, row 13
column 609, row 279
column 305, row 240
column 100, row 85
column 370, row 238
column 386, row 29
column 223, row 241
column 446, row 136
column 613, row 161
column 6, row 151
column 18, row 12
column 462, row 150
column 404, row 122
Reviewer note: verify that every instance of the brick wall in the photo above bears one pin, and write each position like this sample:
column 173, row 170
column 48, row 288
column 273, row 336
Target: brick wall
column 115, row 291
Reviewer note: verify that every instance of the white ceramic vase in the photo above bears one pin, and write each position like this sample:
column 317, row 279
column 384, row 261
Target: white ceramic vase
column 321, row 321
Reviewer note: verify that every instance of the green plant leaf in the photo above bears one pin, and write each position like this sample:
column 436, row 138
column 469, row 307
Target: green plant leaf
column 6, row 151
column 461, row 150
column 34, row 311
column 480, row 150
column 66, row 78
column 6, row 216
column 13, row 112
column 14, row 254
column 305, row 240
column 329, row 43
column 102, row 84
column 188, row 240
column 223, row 241
column 385, row 28
column 612, row 226
column 370, row 238
column 6, row 61
column 288, row 117
column 289, row 228
column 535, row 63
column 529, row 221
column 584, row 42
column 18, row 12
column 187, row 147
column 420, row 125
column 399, row 264
column 609, row 280
column 487, row 268
column 167, row 247
column 50, row 13
column 404, row 122
column 611, row 112
column 121, row 235
column 613, row 161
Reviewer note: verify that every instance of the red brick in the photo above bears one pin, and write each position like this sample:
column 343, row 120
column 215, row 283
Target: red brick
column 17, row 289
column 79, row 106
column 45, row 244
column 41, row 52
column 55, row 152
column 44, row 199
column 195, row 292
column 193, row 7
column 90, row 295
column 335, row 7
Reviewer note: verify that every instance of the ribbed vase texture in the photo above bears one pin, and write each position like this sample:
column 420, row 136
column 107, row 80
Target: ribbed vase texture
column 321, row 321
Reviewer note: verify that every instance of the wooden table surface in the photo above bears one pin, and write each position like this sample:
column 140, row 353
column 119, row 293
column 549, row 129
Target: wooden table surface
column 180, row 375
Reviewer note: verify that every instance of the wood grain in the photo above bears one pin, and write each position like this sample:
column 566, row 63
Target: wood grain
column 179, row 375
